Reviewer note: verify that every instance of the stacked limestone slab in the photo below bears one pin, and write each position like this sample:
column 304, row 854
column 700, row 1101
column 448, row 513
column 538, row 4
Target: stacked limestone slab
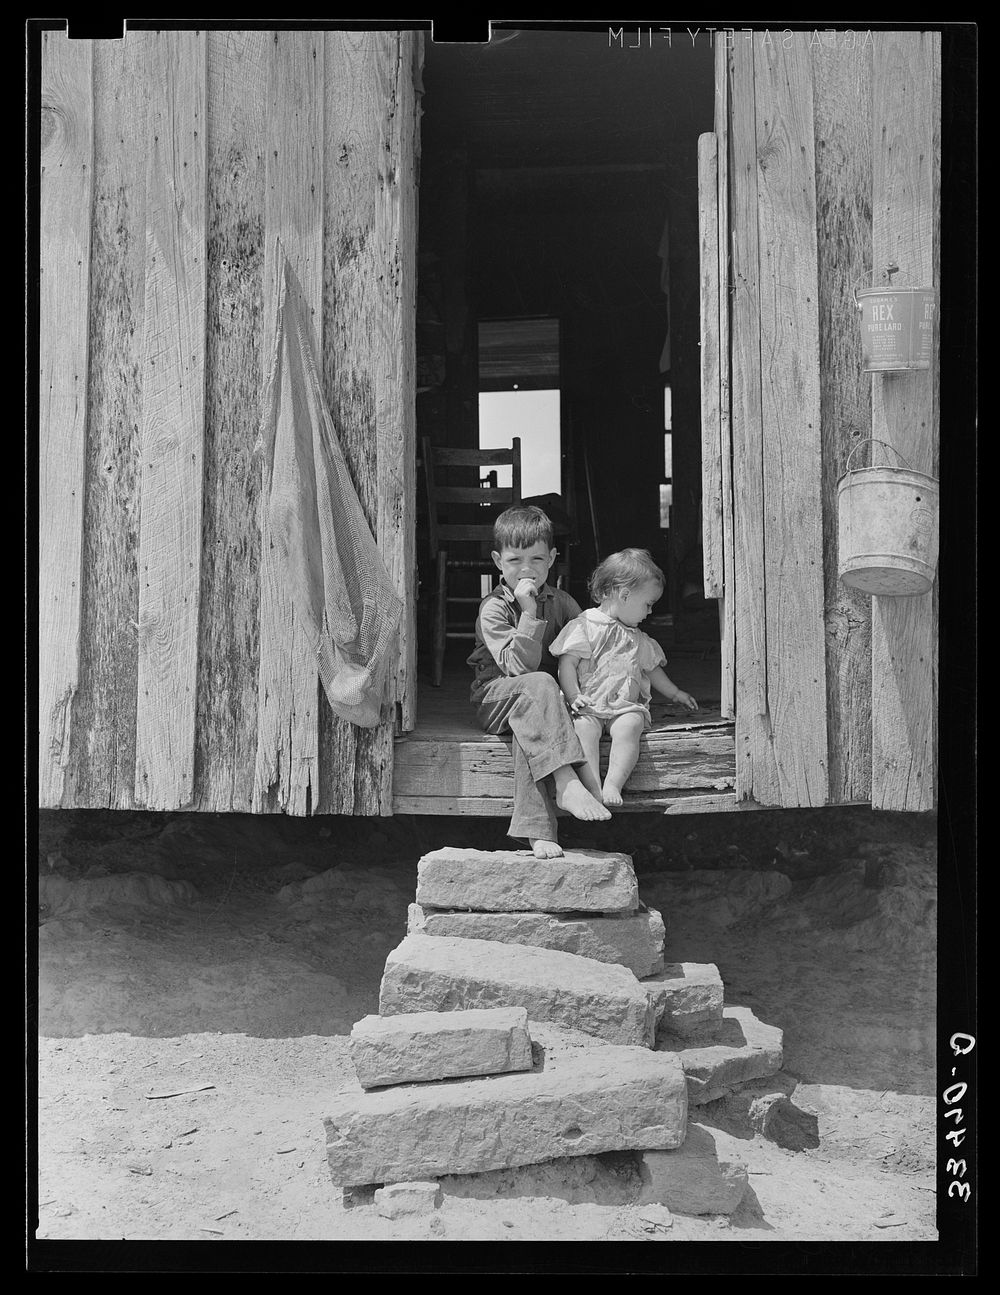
column 529, row 1014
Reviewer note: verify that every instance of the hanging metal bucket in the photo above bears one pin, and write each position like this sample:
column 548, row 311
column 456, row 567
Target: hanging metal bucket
column 897, row 327
column 887, row 522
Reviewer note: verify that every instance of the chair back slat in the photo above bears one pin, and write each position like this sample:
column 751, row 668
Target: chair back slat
column 448, row 456
column 487, row 495
column 462, row 505
column 492, row 498
column 464, row 534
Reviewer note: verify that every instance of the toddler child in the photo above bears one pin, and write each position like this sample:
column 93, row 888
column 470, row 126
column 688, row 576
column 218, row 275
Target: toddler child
column 515, row 689
column 608, row 666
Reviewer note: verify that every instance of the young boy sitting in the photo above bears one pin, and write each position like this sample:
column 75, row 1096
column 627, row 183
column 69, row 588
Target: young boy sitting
column 515, row 688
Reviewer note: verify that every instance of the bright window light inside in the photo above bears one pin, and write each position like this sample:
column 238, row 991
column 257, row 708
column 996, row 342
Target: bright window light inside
column 666, row 499
column 534, row 416
column 667, row 410
column 668, row 456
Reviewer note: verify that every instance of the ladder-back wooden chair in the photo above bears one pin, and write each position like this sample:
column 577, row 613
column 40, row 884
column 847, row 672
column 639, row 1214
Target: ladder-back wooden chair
column 460, row 531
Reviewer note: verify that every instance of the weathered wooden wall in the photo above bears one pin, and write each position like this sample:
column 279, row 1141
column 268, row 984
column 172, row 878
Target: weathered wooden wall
column 101, row 767
column 65, row 196
column 843, row 132
column 832, row 157
column 171, row 432
column 905, row 217
column 727, row 600
column 229, row 647
column 756, row 775
column 370, row 240
column 713, row 524
column 171, row 673
column 287, row 775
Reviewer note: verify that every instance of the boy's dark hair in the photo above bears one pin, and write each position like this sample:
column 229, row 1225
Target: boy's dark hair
column 521, row 526
column 625, row 570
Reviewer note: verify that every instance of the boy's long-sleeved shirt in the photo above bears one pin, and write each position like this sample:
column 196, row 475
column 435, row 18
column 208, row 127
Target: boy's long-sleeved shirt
column 510, row 642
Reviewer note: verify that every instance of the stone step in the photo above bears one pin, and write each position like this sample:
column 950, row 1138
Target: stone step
column 741, row 1048
column 424, row 1046
column 511, row 881
column 402, row 1200
column 580, row 1101
column 633, row 940
column 687, row 997
column 448, row 973
column 706, row 1175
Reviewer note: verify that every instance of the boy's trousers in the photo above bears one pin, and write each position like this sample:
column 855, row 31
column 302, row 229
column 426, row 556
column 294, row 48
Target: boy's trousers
column 532, row 708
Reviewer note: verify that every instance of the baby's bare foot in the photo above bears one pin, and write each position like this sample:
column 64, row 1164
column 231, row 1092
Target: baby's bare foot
column 610, row 794
column 590, row 780
column 545, row 849
column 575, row 799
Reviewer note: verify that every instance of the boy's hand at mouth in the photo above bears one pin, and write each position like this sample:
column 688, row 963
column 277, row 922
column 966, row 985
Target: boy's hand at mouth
column 526, row 592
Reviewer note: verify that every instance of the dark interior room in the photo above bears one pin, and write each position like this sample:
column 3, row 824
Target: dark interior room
column 558, row 294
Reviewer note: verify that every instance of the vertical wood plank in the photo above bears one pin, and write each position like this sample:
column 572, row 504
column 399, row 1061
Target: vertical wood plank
column 727, row 604
column 404, row 562
column 102, row 767
column 711, row 446
column 936, row 366
column 65, row 192
column 842, row 100
column 286, row 769
column 905, row 70
column 358, row 317
column 229, row 645
column 173, row 421
column 368, row 367
column 756, row 775
column 349, row 128
column 790, row 403
column 394, row 372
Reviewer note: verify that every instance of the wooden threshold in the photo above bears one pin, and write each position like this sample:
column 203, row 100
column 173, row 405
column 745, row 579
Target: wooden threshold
column 687, row 764
column 502, row 807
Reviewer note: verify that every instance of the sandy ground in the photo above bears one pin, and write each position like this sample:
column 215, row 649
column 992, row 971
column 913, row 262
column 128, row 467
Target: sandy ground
column 194, row 999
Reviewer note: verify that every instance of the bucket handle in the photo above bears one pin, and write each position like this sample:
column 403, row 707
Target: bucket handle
column 891, row 269
column 871, row 440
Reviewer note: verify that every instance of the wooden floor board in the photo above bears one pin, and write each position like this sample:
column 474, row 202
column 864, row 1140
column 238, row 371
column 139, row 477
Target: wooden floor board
column 447, row 765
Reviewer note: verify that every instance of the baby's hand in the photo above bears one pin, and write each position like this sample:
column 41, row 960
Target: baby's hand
column 685, row 699
column 579, row 704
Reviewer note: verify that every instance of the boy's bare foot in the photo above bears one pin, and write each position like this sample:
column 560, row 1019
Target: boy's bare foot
column 545, row 849
column 575, row 799
column 610, row 794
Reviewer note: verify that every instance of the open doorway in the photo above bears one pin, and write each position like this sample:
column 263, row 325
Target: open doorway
column 519, row 396
column 558, row 296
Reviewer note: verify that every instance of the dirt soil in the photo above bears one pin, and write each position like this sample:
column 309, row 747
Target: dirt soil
column 198, row 976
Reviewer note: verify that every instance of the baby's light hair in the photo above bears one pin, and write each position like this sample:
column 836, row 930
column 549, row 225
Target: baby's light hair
column 520, row 527
column 625, row 570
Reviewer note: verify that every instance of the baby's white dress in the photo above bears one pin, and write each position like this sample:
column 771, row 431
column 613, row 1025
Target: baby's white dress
column 614, row 666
